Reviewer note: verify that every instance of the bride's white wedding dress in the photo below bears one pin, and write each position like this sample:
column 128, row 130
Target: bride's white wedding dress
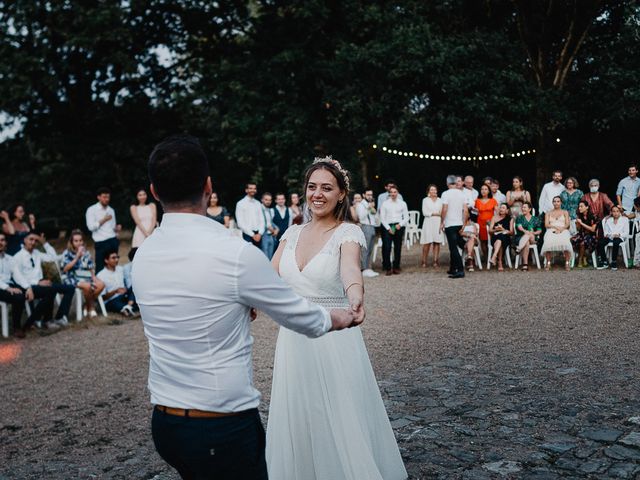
column 327, row 420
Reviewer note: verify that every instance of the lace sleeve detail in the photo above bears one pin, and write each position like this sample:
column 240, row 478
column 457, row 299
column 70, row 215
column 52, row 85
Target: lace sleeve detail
column 351, row 233
column 289, row 232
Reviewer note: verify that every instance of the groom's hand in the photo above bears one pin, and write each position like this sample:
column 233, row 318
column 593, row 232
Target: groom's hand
column 357, row 309
column 341, row 319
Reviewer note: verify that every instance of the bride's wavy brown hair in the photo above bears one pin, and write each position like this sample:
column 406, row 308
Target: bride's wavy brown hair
column 342, row 212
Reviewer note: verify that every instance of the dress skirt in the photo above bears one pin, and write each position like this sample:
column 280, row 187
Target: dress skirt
column 327, row 420
column 557, row 242
column 431, row 231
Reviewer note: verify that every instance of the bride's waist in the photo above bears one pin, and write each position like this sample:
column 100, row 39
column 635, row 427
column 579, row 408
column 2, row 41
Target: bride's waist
column 330, row 302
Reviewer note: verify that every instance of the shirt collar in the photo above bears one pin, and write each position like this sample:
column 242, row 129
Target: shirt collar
column 187, row 219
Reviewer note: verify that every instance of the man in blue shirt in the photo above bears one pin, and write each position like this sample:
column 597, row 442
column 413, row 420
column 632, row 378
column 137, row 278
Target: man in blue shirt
column 628, row 190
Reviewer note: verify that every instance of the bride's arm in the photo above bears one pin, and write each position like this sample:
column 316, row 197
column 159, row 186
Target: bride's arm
column 352, row 277
column 275, row 260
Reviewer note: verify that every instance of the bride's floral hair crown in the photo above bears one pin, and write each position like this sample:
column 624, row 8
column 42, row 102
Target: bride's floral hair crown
column 328, row 159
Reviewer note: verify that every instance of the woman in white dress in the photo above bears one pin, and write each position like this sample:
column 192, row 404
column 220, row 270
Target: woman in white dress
column 557, row 238
column 327, row 420
column 431, row 233
column 145, row 217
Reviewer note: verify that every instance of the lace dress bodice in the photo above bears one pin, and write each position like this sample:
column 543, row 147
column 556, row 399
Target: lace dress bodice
column 319, row 280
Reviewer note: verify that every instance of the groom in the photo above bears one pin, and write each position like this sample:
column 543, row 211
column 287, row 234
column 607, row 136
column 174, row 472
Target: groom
column 195, row 284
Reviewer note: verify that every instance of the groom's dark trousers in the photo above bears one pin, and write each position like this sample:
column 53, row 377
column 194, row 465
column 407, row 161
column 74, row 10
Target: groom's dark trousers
column 225, row 448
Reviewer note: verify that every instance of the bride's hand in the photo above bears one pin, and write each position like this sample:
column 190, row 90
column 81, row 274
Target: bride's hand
column 357, row 308
column 341, row 319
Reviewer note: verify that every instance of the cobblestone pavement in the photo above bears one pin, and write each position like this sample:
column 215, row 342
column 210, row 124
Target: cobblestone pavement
column 514, row 375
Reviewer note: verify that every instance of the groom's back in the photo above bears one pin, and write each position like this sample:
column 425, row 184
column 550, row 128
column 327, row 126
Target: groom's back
column 185, row 281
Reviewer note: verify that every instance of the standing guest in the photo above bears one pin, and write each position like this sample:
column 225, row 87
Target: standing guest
column 549, row 191
column 205, row 417
column 501, row 229
column 636, row 254
column 101, row 222
column 615, row 231
column 32, row 221
column 431, row 233
column 557, row 237
column 366, row 211
column 78, row 271
column 15, row 228
column 145, row 216
column 487, row 181
column 385, row 195
column 584, row 241
column 117, row 298
column 469, row 240
column 27, row 274
column 517, row 196
column 470, row 193
column 268, row 243
column 599, row 203
column 528, row 229
column 486, row 206
column 282, row 216
column 296, row 209
column 249, row 216
column 394, row 216
column 497, row 195
column 357, row 198
column 454, row 216
column 628, row 190
column 8, row 292
column 217, row 212
column 571, row 196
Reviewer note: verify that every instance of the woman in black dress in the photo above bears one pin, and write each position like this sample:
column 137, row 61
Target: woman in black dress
column 501, row 229
column 216, row 212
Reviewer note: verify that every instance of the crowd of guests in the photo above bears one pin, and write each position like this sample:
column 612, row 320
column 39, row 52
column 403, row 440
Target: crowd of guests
column 475, row 223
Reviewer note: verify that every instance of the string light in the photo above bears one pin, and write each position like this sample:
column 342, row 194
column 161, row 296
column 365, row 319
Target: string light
column 429, row 156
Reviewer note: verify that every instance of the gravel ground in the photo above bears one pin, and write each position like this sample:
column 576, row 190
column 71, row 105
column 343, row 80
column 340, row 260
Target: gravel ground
column 499, row 375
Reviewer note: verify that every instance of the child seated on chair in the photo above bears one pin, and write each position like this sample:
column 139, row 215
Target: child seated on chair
column 117, row 297
column 468, row 240
column 79, row 271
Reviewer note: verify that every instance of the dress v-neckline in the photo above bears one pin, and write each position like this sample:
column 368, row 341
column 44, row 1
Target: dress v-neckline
column 295, row 249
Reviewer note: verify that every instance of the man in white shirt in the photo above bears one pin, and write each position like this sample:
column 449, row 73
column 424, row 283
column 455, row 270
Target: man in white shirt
column 454, row 214
column 394, row 216
column 101, row 222
column 366, row 211
column 249, row 217
column 117, row 298
column 268, row 243
column 470, row 193
column 616, row 230
column 385, row 195
column 628, row 190
column 496, row 193
column 549, row 191
column 9, row 293
column 27, row 274
column 196, row 303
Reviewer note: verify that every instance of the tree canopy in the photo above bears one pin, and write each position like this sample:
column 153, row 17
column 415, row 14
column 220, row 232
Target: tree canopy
column 267, row 85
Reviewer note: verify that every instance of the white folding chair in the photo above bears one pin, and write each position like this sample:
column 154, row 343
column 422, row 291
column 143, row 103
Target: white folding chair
column 533, row 250
column 4, row 317
column 378, row 246
column 476, row 254
column 78, row 295
column 412, row 231
column 507, row 256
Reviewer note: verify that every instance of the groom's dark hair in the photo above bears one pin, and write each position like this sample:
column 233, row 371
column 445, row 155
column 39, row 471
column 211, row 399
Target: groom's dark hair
column 178, row 169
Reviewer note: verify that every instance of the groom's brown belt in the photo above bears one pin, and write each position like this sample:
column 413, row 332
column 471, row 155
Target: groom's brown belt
column 193, row 413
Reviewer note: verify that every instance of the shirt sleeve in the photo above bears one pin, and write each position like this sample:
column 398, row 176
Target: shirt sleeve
column 3, row 285
column 383, row 217
column 50, row 254
column 241, row 219
column 620, row 188
column 17, row 275
column 405, row 215
column 425, row 210
column 92, row 222
column 259, row 286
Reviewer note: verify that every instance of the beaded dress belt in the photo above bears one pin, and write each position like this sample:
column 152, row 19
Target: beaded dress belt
column 330, row 302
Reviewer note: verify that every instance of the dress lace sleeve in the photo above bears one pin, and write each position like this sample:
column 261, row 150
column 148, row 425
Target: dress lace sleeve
column 351, row 233
column 289, row 232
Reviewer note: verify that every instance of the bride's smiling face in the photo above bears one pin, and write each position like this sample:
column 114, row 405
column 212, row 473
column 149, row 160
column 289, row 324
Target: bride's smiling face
column 323, row 193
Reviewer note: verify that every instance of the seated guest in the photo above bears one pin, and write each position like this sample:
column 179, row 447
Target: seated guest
column 557, row 237
column 216, row 212
column 501, row 229
column 468, row 240
column 585, row 238
column 615, row 231
column 78, row 271
column 486, row 207
column 27, row 274
column 528, row 228
column 16, row 228
column 8, row 292
column 126, row 270
column 116, row 296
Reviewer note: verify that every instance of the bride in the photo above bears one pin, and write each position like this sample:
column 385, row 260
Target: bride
column 327, row 420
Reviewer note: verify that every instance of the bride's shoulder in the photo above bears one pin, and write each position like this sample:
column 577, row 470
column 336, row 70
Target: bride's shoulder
column 290, row 232
column 350, row 232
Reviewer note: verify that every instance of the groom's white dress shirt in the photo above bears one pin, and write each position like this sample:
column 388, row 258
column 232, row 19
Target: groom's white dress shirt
column 195, row 284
